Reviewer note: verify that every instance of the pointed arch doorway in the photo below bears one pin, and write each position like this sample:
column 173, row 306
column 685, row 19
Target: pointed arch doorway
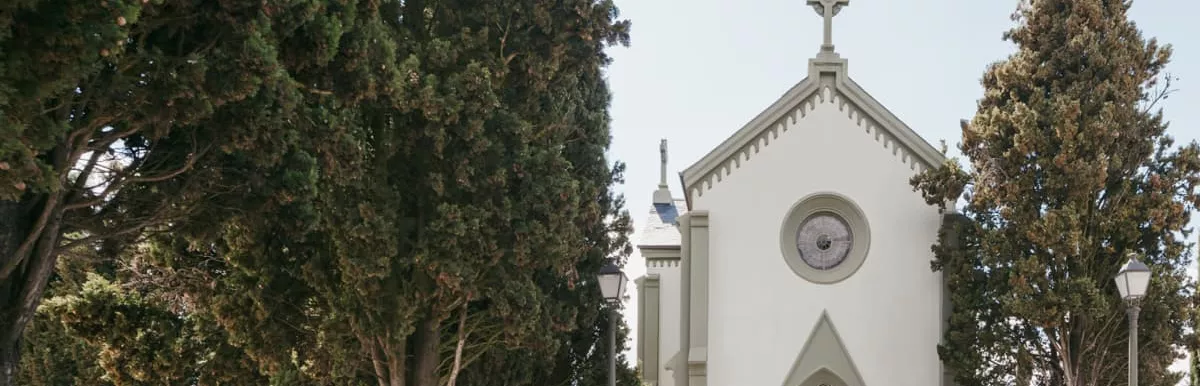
column 823, row 377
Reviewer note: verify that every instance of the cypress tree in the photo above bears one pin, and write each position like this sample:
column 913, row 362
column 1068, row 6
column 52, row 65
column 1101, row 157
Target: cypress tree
column 1071, row 170
column 105, row 105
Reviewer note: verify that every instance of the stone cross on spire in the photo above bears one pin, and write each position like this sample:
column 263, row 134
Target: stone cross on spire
column 828, row 9
column 663, row 194
column 662, row 150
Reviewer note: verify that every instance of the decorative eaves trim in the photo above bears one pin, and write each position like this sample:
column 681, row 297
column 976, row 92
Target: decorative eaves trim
column 664, row 263
column 783, row 115
column 740, row 142
column 913, row 143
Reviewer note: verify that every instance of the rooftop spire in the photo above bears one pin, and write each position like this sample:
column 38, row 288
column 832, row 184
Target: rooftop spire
column 663, row 194
column 828, row 9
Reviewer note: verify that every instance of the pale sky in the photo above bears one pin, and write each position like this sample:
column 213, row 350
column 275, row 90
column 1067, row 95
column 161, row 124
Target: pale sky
column 697, row 70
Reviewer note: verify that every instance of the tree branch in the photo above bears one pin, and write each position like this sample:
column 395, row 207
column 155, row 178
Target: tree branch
column 121, row 182
column 53, row 201
column 111, row 137
column 376, row 361
column 1161, row 94
column 314, row 90
column 462, row 340
column 23, row 251
column 147, row 222
column 86, row 173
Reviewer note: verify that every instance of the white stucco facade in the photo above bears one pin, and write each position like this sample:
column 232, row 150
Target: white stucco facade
column 669, row 341
column 730, row 310
column 760, row 312
column 659, row 291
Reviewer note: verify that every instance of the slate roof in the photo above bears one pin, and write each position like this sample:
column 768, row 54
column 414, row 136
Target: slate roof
column 660, row 229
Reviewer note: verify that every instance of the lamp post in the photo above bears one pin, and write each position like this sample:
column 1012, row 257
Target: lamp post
column 1132, row 281
column 612, row 287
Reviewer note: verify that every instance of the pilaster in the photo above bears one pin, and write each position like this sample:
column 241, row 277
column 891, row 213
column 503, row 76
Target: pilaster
column 679, row 361
column 649, row 318
column 697, row 241
column 641, row 322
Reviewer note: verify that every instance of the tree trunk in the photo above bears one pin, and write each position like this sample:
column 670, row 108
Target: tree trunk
column 17, row 219
column 10, row 359
column 381, row 370
column 15, row 225
column 462, row 341
column 414, row 17
column 21, row 292
column 397, row 356
column 425, row 353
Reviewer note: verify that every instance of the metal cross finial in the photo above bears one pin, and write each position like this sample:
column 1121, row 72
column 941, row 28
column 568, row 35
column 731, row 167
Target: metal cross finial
column 828, row 9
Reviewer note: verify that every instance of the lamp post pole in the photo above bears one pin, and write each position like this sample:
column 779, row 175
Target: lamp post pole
column 612, row 286
column 1132, row 282
column 1134, row 308
column 612, row 347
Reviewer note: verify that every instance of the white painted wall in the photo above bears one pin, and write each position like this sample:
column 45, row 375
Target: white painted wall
column 888, row 313
column 668, row 334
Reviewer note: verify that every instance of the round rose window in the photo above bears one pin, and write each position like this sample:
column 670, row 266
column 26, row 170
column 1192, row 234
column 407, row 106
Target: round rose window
column 824, row 240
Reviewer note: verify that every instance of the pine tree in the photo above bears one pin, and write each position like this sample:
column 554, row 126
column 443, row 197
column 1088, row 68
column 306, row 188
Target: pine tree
column 1071, row 170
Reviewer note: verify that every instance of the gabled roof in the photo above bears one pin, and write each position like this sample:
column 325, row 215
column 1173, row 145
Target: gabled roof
column 827, row 82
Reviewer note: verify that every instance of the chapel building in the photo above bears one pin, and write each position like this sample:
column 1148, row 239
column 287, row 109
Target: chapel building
column 799, row 254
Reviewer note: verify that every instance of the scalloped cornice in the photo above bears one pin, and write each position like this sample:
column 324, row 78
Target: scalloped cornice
column 827, row 83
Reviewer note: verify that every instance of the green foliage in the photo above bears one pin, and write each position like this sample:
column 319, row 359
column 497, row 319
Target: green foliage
column 362, row 188
column 483, row 188
column 1194, row 346
column 143, row 342
column 583, row 360
column 119, row 117
column 1193, row 365
column 52, row 356
column 1070, row 171
column 325, row 192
